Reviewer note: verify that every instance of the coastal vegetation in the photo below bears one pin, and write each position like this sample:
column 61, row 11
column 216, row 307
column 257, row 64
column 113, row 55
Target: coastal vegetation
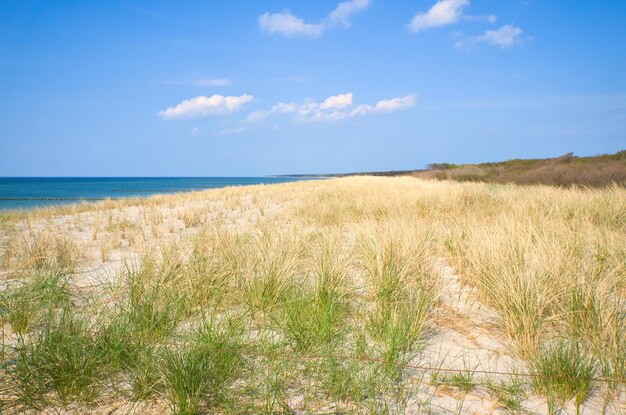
column 377, row 295
column 566, row 170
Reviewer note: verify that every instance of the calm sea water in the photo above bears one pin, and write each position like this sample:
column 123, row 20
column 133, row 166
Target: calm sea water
column 29, row 192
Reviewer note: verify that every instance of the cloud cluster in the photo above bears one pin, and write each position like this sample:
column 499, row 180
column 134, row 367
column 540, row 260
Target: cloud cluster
column 333, row 108
column 442, row 13
column 288, row 25
column 447, row 12
column 204, row 106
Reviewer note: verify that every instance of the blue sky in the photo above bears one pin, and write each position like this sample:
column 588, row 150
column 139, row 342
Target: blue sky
column 246, row 88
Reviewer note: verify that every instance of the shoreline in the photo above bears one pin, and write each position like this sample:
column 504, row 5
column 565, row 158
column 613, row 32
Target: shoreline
column 99, row 189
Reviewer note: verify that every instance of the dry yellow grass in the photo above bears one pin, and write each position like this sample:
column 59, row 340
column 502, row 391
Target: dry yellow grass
column 356, row 267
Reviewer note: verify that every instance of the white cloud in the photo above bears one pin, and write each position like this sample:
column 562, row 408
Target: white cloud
column 442, row 13
column 204, row 106
column 337, row 101
column 333, row 108
column 446, row 12
column 341, row 14
column 289, row 25
column 505, row 37
column 280, row 108
column 386, row 105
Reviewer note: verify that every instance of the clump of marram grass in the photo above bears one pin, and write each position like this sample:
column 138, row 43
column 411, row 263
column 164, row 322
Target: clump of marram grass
column 187, row 378
column 213, row 267
column 148, row 309
column 107, row 243
column 345, row 380
column 361, row 383
column 24, row 304
column 338, row 378
column 41, row 250
column 512, row 277
column 402, row 289
column 276, row 267
column 191, row 217
column 153, row 300
column 130, row 354
column 199, row 373
column 613, row 354
column 315, row 313
column 330, row 261
column 563, row 371
column 396, row 261
column 397, row 328
column 60, row 364
column 599, row 321
column 312, row 317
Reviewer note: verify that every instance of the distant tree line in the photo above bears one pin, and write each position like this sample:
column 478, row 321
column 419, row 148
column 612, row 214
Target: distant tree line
column 441, row 166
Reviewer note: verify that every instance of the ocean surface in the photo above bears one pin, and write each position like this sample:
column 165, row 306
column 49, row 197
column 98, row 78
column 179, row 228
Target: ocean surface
column 29, row 192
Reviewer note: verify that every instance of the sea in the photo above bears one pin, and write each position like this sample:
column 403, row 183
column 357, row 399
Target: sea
column 31, row 192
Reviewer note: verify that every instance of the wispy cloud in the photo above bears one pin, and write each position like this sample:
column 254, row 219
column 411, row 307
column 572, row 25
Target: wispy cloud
column 343, row 11
column 385, row 105
column 205, row 106
column 444, row 12
column 333, row 108
column 504, row 37
column 491, row 18
column 289, row 25
column 203, row 82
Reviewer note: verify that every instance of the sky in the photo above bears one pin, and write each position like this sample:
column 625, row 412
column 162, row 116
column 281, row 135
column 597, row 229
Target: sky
column 251, row 88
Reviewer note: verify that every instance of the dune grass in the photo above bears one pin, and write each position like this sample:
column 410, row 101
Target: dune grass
column 563, row 371
column 63, row 363
column 314, row 297
column 26, row 304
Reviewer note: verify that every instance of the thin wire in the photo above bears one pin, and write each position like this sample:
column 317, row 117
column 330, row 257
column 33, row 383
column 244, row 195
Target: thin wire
column 425, row 368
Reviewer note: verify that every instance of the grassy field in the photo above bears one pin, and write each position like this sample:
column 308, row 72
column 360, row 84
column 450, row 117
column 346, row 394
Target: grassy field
column 354, row 295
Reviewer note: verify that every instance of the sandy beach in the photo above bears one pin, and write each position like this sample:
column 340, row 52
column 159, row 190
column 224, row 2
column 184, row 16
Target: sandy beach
column 350, row 295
